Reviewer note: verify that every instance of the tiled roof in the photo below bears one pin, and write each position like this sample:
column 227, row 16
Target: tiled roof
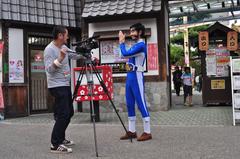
column 53, row 12
column 95, row 8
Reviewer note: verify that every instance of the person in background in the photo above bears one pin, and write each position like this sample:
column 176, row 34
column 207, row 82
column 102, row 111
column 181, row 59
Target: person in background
column 177, row 81
column 187, row 86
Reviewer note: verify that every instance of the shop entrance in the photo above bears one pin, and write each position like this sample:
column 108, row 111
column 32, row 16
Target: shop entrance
column 40, row 100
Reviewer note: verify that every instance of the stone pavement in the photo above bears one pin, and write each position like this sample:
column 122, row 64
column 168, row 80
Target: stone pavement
column 31, row 141
column 179, row 116
column 181, row 133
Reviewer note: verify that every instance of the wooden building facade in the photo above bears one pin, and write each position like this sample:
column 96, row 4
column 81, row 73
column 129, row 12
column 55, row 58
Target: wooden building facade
column 106, row 18
column 26, row 28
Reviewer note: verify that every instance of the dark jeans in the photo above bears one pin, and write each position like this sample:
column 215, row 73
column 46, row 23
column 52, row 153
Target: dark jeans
column 187, row 91
column 63, row 112
column 177, row 86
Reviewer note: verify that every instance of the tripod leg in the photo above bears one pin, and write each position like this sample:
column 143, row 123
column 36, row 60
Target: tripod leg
column 79, row 80
column 94, row 127
column 90, row 83
column 109, row 97
column 96, row 110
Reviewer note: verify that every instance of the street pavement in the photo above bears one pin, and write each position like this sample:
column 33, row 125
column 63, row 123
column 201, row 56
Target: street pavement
column 180, row 133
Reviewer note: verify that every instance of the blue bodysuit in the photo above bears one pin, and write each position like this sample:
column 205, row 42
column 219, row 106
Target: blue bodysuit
column 135, row 80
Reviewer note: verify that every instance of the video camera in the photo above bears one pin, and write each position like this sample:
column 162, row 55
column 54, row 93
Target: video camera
column 84, row 47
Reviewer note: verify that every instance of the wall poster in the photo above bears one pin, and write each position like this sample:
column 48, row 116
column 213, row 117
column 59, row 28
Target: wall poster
column 217, row 62
column 236, row 65
column 110, row 55
column 16, row 55
column 211, row 62
column 16, row 71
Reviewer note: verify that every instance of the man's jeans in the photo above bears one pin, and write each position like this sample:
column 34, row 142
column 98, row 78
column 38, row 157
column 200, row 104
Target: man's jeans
column 63, row 111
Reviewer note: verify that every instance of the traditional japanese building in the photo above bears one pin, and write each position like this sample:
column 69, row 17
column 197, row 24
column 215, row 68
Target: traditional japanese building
column 106, row 17
column 25, row 29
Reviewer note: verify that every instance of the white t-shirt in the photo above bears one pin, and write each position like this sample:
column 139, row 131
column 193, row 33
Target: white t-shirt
column 187, row 79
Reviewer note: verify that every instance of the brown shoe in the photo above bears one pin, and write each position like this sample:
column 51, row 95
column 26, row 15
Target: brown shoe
column 144, row 137
column 128, row 135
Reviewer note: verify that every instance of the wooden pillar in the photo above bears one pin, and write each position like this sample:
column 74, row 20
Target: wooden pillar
column 164, row 47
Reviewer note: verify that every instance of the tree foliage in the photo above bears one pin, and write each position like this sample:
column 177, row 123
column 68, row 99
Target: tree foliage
column 192, row 34
column 176, row 53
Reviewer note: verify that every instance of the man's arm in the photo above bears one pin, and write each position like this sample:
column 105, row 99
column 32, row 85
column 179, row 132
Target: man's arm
column 51, row 63
column 74, row 56
column 133, row 51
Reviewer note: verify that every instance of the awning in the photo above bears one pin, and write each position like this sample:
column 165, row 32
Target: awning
column 190, row 7
column 98, row 8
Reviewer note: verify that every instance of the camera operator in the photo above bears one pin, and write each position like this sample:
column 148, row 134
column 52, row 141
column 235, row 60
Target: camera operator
column 56, row 60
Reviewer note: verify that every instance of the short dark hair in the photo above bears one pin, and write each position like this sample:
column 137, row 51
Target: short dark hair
column 57, row 30
column 139, row 27
column 187, row 68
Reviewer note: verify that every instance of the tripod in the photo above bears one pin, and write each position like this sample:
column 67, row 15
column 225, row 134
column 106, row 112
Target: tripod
column 89, row 69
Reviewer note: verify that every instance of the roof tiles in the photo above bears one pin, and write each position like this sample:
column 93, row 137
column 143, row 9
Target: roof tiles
column 95, row 8
column 53, row 12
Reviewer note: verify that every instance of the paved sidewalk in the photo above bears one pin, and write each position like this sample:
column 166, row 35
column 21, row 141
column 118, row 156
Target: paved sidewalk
column 31, row 141
column 184, row 133
column 179, row 116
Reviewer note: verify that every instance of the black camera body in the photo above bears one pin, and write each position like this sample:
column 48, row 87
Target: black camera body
column 84, row 47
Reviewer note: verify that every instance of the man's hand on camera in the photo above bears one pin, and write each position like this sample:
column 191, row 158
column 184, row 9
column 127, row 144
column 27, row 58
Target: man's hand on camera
column 121, row 37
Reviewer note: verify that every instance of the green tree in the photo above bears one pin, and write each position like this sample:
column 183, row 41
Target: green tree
column 176, row 54
column 192, row 33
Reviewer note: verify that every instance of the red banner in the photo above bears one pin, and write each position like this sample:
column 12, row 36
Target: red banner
column 152, row 56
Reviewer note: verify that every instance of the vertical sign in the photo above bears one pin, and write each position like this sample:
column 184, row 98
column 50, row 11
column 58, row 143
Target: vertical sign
column 232, row 41
column 203, row 40
column 152, row 56
column 1, row 94
column 1, row 65
column 186, row 46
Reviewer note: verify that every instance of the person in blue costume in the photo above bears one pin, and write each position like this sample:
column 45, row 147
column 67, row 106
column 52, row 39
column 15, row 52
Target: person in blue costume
column 135, row 81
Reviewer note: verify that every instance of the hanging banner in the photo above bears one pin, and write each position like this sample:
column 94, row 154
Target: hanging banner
column 1, row 65
column 232, row 41
column 203, row 40
column 1, row 93
column 152, row 56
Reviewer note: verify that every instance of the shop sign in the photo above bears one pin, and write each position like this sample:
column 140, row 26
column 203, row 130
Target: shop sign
column 217, row 84
column 203, row 40
column 232, row 41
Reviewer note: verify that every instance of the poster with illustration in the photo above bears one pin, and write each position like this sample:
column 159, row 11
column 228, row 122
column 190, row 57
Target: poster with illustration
column 16, row 71
column 110, row 51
